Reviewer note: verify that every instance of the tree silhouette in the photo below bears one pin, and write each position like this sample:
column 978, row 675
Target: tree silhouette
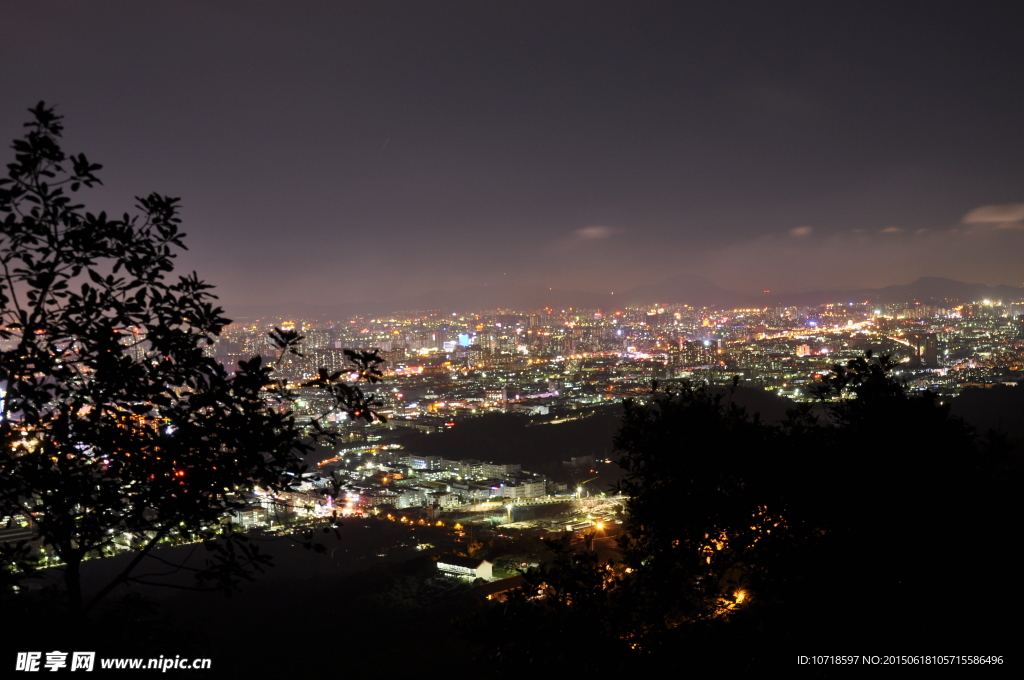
column 117, row 430
column 858, row 520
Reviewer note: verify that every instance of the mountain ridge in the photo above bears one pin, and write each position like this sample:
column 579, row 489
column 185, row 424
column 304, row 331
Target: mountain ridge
column 686, row 289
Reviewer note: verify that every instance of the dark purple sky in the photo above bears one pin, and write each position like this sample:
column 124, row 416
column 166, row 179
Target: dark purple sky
column 331, row 150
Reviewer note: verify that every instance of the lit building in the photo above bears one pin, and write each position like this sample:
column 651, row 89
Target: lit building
column 467, row 568
column 926, row 346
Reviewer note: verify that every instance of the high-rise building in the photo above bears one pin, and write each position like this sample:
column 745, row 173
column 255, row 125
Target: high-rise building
column 926, row 347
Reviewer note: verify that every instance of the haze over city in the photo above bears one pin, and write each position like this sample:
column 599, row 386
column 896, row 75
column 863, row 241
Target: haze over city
column 328, row 154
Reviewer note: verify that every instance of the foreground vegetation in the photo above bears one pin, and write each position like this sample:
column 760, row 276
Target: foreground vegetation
column 870, row 515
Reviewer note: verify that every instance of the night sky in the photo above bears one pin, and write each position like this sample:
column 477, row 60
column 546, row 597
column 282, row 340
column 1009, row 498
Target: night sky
column 327, row 152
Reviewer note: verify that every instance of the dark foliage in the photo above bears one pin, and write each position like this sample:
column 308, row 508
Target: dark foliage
column 117, row 430
column 515, row 437
column 870, row 515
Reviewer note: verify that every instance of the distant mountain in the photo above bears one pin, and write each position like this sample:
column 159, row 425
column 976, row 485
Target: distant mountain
column 928, row 289
column 682, row 288
column 678, row 289
column 485, row 297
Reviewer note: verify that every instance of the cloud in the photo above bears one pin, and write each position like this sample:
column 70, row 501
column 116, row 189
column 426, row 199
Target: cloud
column 1006, row 216
column 801, row 231
column 594, row 233
column 891, row 230
column 820, row 261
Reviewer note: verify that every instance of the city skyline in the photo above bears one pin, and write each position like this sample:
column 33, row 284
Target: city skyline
column 335, row 154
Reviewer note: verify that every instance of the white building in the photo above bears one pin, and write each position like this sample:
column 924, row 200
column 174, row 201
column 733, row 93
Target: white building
column 525, row 489
column 467, row 568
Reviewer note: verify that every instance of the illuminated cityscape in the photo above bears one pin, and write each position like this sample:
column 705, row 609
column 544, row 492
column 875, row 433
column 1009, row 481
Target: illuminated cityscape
column 442, row 367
